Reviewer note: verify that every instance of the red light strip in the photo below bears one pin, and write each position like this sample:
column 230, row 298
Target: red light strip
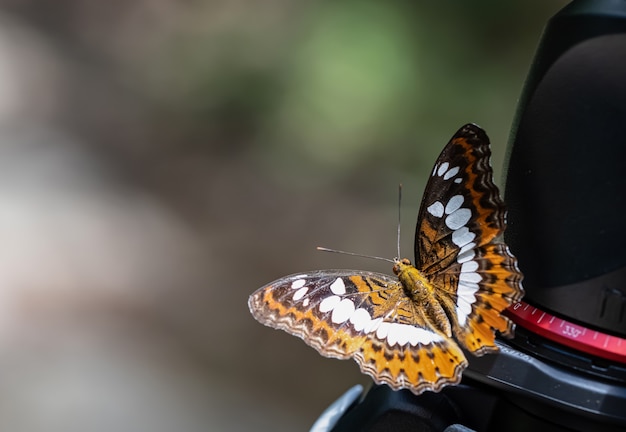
column 566, row 333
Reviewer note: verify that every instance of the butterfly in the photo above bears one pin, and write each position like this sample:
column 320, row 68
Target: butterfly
column 409, row 330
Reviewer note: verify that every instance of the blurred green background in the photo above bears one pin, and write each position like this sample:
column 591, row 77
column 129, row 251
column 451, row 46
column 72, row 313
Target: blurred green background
column 161, row 160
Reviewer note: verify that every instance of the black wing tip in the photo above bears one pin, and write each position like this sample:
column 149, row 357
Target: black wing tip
column 472, row 131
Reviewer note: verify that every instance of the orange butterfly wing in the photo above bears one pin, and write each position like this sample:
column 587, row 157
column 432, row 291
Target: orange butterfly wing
column 365, row 316
column 399, row 330
column 459, row 246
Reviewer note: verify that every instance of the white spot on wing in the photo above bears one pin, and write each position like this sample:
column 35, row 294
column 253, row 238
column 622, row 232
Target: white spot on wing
column 458, row 180
column 306, row 302
column 397, row 334
column 342, row 311
column 382, row 330
column 360, row 319
column 426, row 336
column 467, row 247
column 465, row 298
column 465, row 256
column 329, row 303
column 338, row 287
column 451, row 173
column 466, row 293
column 373, row 325
column 470, row 276
column 299, row 283
column 463, row 309
column 462, row 236
column 454, row 204
column 435, row 209
column 443, row 168
column 300, row 293
column 458, row 218
column 408, row 334
column 403, row 334
column 469, row 267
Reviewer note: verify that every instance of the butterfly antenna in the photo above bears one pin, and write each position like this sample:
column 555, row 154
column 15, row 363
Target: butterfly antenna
column 399, row 214
column 323, row 249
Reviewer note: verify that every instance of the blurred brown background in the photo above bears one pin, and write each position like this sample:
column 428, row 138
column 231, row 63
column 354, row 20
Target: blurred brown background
column 161, row 160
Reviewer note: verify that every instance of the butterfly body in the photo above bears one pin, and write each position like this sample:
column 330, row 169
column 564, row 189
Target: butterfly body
column 424, row 295
column 407, row 330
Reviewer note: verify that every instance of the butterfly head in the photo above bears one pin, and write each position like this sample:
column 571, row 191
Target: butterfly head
column 415, row 284
column 401, row 265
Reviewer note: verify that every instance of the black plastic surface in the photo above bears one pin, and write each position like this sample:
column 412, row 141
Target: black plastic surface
column 566, row 183
column 506, row 391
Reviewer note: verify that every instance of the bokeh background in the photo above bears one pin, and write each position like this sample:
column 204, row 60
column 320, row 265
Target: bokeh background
column 161, row 160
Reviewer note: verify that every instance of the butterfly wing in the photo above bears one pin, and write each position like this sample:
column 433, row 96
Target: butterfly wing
column 458, row 242
column 365, row 316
